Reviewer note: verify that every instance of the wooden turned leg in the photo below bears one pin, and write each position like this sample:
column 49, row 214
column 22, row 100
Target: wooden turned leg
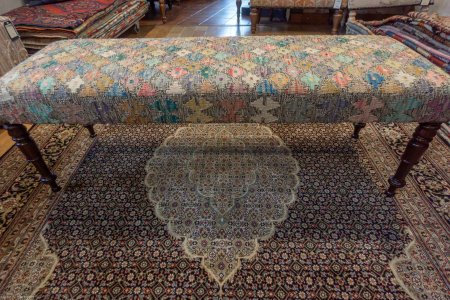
column 416, row 147
column 27, row 145
column 238, row 6
column 136, row 28
column 91, row 130
column 337, row 18
column 162, row 9
column 357, row 129
column 254, row 16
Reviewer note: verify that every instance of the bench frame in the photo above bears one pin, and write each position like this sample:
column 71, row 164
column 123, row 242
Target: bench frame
column 419, row 143
column 255, row 17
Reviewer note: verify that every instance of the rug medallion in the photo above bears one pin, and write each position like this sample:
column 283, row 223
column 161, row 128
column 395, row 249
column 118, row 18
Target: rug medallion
column 221, row 188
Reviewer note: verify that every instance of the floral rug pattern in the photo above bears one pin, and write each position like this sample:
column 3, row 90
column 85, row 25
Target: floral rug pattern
column 341, row 237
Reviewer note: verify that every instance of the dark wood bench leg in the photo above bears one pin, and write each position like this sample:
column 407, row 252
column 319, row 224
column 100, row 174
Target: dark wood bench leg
column 91, row 130
column 27, row 145
column 416, row 147
column 357, row 129
column 238, row 6
column 254, row 17
column 162, row 9
column 337, row 18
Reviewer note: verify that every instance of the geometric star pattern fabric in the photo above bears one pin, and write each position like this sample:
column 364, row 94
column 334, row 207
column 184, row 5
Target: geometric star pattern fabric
column 271, row 79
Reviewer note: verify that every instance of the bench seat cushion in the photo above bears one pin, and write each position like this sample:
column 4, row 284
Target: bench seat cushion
column 293, row 3
column 237, row 79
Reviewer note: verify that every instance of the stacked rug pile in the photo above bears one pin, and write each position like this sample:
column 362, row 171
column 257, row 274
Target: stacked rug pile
column 428, row 34
column 242, row 211
column 41, row 25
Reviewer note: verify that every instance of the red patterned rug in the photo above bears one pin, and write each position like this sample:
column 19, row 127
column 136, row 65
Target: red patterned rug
column 67, row 14
column 234, row 211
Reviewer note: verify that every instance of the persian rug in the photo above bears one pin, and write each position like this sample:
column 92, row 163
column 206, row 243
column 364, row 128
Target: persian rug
column 224, row 211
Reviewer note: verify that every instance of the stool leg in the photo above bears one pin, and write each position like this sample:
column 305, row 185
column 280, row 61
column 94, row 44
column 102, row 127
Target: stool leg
column 357, row 129
column 91, row 130
column 254, row 16
column 162, row 8
column 416, row 147
column 337, row 18
column 27, row 145
column 238, row 6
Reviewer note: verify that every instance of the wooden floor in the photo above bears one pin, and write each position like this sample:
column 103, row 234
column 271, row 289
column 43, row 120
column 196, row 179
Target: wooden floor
column 193, row 18
column 5, row 142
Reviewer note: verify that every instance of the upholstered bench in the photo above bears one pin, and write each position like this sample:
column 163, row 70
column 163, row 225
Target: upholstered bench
column 285, row 79
column 257, row 5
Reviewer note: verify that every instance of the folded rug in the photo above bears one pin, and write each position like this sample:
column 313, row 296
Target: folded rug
column 68, row 14
column 428, row 34
column 440, row 22
column 119, row 15
column 104, row 24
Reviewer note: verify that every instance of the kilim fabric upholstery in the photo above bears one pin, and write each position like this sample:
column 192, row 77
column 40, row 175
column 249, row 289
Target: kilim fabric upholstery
column 237, row 79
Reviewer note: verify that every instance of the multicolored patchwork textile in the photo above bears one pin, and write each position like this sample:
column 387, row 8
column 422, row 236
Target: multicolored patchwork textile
column 293, row 3
column 282, row 79
column 425, row 33
column 442, row 23
column 435, row 24
column 439, row 57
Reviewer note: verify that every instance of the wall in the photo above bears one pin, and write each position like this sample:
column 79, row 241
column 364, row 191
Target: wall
column 7, row 5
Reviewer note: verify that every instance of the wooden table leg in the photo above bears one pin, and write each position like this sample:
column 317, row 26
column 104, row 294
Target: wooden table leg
column 254, row 16
column 27, row 145
column 162, row 9
column 91, row 130
column 337, row 18
column 416, row 147
column 238, row 6
column 357, row 129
